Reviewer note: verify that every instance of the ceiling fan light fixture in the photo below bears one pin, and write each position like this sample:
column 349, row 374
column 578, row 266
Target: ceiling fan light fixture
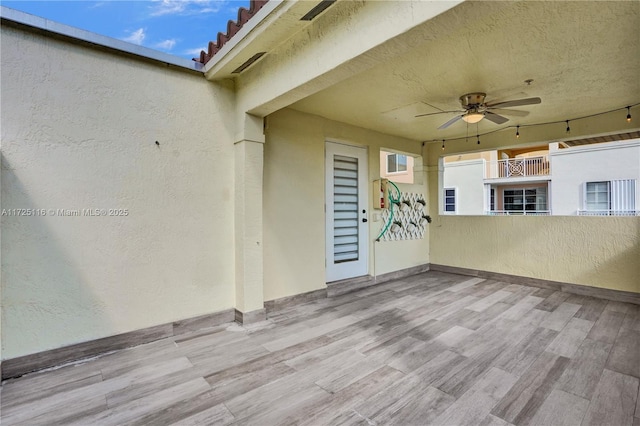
column 473, row 117
column 475, row 109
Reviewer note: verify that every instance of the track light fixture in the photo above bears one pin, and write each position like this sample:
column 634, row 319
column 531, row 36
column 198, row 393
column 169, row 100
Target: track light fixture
column 628, row 114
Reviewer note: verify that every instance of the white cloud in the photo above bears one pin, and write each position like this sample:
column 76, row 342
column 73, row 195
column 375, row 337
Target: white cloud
column 136, row 37
column 166, row 44
column 186, row 7
column 168, row 7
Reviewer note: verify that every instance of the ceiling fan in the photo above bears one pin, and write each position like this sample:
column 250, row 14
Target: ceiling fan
column 474, row 109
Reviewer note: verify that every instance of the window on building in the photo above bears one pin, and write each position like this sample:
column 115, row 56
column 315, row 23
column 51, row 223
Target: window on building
column 397, row 166
column 610, row 198
column 492, row 199
column 449, row 200
column 597, row 196
column 525, row 199
column 396, row 163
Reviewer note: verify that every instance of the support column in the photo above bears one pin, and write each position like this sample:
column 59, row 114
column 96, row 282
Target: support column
column 249, row 158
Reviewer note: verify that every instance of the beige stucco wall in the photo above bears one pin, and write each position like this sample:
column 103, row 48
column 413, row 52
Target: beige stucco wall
column 294, row 221
column 306, row 64
column 487, row 155
column 594, row 251
column 78, row 132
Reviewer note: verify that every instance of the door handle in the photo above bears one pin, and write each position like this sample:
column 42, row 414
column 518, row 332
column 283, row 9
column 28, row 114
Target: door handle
column 364, row 220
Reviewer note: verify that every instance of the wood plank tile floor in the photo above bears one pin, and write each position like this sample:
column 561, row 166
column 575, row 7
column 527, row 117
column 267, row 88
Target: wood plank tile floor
column 431, row 349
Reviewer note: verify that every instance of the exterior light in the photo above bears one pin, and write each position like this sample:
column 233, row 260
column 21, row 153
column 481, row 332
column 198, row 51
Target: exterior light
column 628, row 114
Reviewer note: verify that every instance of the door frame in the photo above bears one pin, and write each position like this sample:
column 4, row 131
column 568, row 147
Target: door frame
column 335, row 272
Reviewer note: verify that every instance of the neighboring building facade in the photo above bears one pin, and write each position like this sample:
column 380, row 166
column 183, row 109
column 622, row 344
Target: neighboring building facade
column 396, row 166
column 598, row 179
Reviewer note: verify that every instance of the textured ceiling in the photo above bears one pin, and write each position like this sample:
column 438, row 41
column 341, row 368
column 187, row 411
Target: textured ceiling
column 584, row 58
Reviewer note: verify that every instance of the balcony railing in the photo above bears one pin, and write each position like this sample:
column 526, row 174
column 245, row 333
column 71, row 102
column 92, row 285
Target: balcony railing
column 608, row 212
column 517, row 167
column 518, row 213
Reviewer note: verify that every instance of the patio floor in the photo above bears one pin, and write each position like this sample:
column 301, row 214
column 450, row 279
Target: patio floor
column 434, row 348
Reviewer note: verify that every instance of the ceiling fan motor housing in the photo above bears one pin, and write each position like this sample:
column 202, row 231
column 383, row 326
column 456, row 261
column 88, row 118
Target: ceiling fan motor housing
column 472, row 100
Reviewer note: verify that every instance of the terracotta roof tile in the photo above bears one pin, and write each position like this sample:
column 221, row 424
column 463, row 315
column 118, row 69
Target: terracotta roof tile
column 232, row 28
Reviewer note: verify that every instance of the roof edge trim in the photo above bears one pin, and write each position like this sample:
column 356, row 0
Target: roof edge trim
column 67, row 31
column 624, row 143
column 244, row 16
column 238, row 37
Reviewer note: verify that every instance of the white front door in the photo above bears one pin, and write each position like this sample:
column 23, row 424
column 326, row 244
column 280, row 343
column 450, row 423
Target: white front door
column 346, row 211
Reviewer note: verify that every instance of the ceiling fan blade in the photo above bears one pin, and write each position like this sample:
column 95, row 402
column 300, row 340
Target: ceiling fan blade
column 516, row 102
column 515, row 112
column 450, row 122
column 498, row 119
column 435, row 113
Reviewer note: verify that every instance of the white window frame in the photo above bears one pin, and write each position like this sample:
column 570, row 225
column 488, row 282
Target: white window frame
column 455, row 200
column 524, row 198
column 585, row 204
column 621, row 198
column 406, row 164
column 492, row 199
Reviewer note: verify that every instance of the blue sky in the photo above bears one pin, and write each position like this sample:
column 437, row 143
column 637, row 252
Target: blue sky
column 179, row 27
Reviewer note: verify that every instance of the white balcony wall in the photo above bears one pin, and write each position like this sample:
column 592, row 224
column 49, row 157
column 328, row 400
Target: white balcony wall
column 467, row 178
column 572, row 167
